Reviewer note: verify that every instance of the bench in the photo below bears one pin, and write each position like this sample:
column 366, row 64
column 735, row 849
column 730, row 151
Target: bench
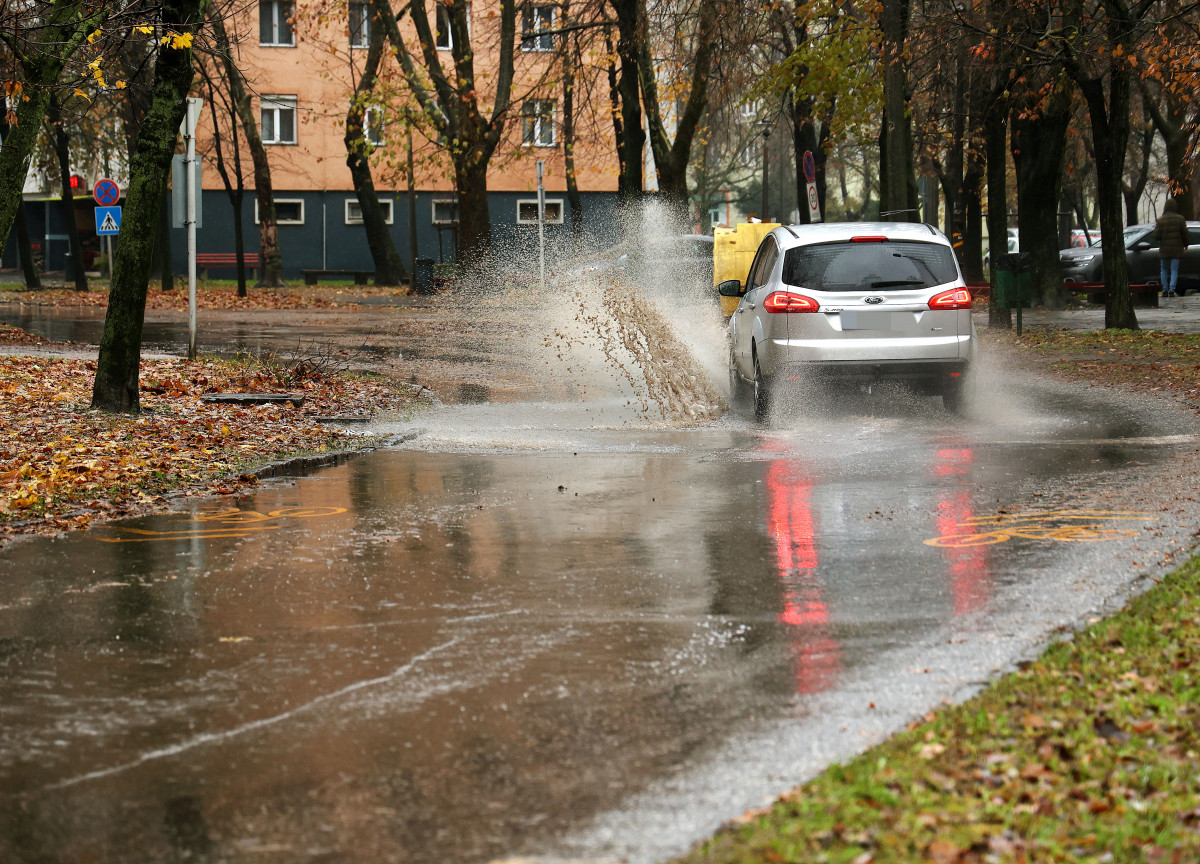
column 224, row 260
column 1146, row 292
column 360, row 277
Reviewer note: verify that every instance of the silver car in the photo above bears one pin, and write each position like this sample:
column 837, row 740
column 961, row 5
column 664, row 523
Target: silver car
column 860, row 302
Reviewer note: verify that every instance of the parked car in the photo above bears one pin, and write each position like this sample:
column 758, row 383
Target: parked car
column 1141, row 256
column 857, row 302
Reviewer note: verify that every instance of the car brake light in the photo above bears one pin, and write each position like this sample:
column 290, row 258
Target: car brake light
column 786, row 301
column 955, row 298
column 868, row 239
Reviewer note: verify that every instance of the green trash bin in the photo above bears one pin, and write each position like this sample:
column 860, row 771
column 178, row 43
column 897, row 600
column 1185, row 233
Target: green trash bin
column 1014, row 280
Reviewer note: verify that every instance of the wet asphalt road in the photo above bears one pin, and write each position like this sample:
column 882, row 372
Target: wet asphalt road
column 550, row 630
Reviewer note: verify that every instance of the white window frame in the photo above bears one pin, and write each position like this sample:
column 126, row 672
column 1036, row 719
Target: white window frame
column 433, row 215
column 279, row 201
column 533, row 27
column 364, row 25
column 278, row 20
column 549, row 220
column 278, row 104
column 354, row 211
column 374, row 130
column 532, row 136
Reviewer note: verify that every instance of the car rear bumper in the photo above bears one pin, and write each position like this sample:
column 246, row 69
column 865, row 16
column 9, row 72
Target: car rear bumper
column 935, row 376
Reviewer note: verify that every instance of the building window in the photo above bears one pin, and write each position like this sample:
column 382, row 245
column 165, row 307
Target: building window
column 278, row 120
column 535, row 22
column 354, row 211
column 527, row 211
column 537, row 116
column 444, row 39
column 445, row 211
column 288, row 211
column 274, row 22
column 373, row 126
column 360, row 25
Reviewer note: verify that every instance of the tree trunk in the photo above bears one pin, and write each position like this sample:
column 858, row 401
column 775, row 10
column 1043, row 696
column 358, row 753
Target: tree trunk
column 1039, row 139
column 631, row 137
column 62, row 151
column 389, row 269
column 973, row 175
column 671, row 158
column 270, row 258
column 898, row 195
column 574, row 199
column 33, row 280
column 1110, row 134
column 474, row 221
column 117, row 368
column 995, row 133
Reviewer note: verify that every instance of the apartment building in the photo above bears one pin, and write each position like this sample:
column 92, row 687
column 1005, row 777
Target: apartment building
column 302, row 61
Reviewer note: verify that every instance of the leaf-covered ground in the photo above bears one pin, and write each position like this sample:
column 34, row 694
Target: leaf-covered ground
column 209, row 295
column 63, row 465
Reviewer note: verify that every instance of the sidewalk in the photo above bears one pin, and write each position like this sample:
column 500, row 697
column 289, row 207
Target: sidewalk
column 1174, row 315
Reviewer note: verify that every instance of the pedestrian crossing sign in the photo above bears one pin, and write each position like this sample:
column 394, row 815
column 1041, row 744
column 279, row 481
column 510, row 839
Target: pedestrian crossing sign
column 108, row 220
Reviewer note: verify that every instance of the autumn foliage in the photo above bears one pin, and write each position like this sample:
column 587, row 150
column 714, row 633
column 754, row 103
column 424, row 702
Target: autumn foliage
column 63, row 465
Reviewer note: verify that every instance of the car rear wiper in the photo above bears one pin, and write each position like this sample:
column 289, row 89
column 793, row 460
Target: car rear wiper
column 894, row 282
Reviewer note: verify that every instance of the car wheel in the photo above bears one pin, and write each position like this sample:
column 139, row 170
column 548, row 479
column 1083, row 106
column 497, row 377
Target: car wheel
column 762, row 393
column 738, row 389
column 954, row 399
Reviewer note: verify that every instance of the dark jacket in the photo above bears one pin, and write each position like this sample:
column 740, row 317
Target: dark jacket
column 1171, row 231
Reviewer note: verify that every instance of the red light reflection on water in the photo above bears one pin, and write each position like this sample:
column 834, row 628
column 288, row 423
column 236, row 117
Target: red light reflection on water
column 790, row 524
column 970, row 576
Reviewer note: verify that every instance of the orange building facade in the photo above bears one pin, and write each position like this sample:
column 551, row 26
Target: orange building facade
column 302, row 62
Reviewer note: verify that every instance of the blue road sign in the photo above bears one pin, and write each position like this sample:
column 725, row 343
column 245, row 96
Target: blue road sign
column 810, row 167
column 108, row 220
column 106, row 192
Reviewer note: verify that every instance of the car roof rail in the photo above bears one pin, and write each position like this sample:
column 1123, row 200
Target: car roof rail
column 932, row 230
column 788, row 228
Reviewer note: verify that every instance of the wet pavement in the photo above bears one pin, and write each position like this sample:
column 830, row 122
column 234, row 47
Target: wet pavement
column 554, row 629
column 546, row 622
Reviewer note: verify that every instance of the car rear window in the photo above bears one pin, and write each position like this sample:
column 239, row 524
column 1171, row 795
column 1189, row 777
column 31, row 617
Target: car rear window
column 892, row 265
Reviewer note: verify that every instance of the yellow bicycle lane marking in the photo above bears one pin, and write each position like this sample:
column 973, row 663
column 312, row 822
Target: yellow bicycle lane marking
column 1059, row 525
column 239, row 523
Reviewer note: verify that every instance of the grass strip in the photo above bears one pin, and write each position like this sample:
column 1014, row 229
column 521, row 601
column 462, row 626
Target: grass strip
column 1087, row 754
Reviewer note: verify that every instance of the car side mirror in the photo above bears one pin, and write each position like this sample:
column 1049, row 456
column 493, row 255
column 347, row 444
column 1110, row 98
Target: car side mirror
column 1142, row 246
column 730, row 288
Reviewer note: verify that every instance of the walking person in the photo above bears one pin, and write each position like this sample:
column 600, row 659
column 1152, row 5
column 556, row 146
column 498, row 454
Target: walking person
column 1170, row 229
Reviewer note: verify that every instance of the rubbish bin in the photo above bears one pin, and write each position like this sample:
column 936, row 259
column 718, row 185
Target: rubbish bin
column 423, row 276
column 1014, row 280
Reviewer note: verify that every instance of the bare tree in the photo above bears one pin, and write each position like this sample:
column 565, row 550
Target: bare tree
column 269, row 254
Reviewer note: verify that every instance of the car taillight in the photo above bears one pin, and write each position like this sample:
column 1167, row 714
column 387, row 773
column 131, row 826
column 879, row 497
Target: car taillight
column 868, row 238
column 786, row 301
column 955, row 298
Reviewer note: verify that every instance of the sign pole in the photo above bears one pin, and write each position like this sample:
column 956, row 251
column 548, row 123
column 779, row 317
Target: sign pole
column 541, row 225
column 189, row 137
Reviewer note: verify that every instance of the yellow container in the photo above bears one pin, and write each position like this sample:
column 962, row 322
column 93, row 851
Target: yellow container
column 733, row 253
